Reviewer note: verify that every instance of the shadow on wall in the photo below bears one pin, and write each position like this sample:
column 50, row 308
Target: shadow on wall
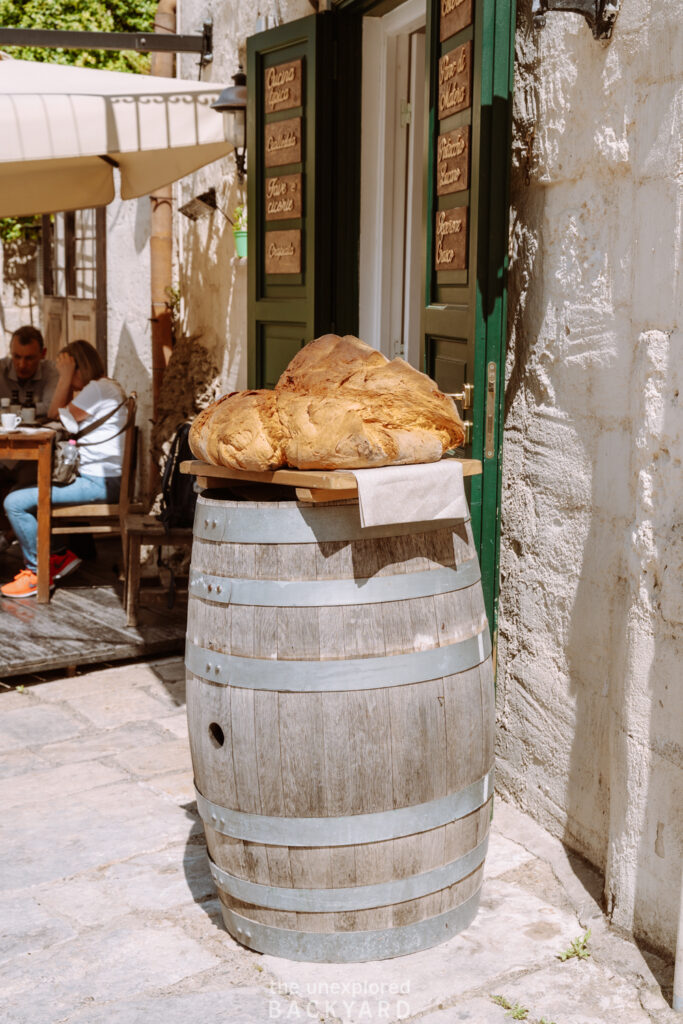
column 213, row 287
column 133, row 375
column 591, row 535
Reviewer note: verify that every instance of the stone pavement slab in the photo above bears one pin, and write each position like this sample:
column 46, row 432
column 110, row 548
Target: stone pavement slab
column 109, row 915
column 34, row 725
column 151, row 883
column 52, row 786
column 513, row 932
column 27, row 925
column 103, row 743
column 104, row 964
column 230, row 1005
column 108, row 708
column 93, row 828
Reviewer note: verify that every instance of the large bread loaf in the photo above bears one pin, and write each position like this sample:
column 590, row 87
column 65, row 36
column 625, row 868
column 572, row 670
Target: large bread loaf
column 241, row 430
column 340, row 404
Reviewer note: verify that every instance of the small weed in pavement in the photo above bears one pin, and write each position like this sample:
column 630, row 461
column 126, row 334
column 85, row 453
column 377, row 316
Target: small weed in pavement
column 515, row 1011
column 578, row 948
column 518, row 1012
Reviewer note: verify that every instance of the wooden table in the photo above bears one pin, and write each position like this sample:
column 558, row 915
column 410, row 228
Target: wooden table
column 311, row 484
column 36, row 447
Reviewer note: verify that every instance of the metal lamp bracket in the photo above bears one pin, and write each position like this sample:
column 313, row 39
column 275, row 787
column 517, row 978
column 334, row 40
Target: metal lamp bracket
column 600, row 14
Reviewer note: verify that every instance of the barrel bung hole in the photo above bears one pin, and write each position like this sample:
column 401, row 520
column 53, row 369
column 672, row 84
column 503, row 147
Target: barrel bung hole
column 216, row 735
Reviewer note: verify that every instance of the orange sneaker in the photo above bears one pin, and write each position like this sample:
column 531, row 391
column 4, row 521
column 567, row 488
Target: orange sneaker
column 24, row 584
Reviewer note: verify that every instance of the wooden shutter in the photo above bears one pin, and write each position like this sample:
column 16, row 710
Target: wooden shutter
column 81, row 317
column 54, row 322
column 468, row 93
column 303, row 182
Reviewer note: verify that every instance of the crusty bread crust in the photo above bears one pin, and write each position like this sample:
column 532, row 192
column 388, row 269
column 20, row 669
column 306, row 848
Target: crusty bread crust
column 340, row 404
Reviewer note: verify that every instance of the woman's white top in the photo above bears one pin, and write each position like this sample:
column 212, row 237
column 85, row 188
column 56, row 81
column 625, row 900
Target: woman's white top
column 98, row 398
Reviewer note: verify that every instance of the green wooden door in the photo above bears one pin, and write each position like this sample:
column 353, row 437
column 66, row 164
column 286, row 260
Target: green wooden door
column 468, row 96
column 469, row 56
column 303, row 186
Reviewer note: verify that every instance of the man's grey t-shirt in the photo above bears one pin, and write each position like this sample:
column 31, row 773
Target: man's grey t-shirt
column 42, row 384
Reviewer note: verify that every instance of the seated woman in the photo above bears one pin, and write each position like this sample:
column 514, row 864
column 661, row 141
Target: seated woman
column 83, row 395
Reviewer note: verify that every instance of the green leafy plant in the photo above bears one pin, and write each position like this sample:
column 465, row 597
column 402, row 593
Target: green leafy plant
column 578, row 948
column 20, row 229
column 515, row 1010
column 81, row 15
column 239, row 218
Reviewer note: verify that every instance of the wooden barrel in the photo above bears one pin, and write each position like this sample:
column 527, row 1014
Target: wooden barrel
column 340, row 704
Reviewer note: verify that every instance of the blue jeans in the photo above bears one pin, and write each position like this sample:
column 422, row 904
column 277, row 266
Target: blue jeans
column 21, row 506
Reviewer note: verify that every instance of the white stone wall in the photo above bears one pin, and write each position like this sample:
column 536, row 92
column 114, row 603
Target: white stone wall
column 20, row 292
column 129, row 336
column 212, row 280
column 590, row 706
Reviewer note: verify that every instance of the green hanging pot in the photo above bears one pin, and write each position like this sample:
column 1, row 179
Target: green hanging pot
column 240, row 243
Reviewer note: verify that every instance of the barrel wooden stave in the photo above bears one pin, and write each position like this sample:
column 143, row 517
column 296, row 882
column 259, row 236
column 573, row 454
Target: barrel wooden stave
column 277, row 743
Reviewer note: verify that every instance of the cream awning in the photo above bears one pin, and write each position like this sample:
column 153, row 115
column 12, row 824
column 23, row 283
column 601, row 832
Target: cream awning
column 58, row 122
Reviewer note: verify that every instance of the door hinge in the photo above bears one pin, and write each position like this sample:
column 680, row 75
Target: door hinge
column 406, row 113
column 489, row 448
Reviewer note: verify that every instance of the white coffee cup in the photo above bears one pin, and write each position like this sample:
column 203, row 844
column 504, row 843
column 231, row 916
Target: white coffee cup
column 10, row 420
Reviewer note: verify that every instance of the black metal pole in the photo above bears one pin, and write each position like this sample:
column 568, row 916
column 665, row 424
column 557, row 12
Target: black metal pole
column 144, row 41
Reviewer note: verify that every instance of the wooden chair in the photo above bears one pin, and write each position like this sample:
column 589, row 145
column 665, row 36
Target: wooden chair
column 139, row 530
column 103, row 518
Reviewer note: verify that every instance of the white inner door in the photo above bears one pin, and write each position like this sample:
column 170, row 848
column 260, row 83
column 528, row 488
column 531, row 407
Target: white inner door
column 392, row 135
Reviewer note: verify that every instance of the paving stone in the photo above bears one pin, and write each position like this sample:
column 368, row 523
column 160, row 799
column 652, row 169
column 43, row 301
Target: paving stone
column 479, row 1010
column 167, row 756
column 222, row 1006
column 34, row 726
column 55, row 785
column 93, row 828
column 109, row 964
column 503, row 854
column 172, row 669
column 177, row 724
column 513, row 931
column 99, row 744
column 178, row 785
column 27, row 926
column 109, row 708
column 151, row 883
column 116, row 678
column 577, row 992
column 11, row 699
column 16, row 762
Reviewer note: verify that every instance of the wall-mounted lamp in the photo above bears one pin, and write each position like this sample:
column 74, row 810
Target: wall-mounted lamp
column 233, row 100
column 600, row 14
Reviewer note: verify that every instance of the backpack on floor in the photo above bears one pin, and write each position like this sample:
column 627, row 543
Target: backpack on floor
column 178, row 496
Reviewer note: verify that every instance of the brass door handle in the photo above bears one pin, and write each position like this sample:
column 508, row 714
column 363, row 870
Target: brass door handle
column 464, row 396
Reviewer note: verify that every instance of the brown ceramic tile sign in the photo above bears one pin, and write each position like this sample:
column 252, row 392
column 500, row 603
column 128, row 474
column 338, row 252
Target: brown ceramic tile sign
column 283, row 86
column 283, row 142
column 283, row 252
column 455, row 77
column 451, row 239
column 455, row 15
column 283, row 197
column 453, row 161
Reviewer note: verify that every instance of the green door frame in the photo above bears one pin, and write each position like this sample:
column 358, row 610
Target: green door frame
column 495, row 34
column 494, row 38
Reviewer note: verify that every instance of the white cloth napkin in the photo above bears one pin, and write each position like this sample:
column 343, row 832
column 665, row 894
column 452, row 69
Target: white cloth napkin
column 411, row 494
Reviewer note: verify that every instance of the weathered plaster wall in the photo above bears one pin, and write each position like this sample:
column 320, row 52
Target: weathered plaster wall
column 212, row 280
column 590, row 705
column 20, row 294
column 129, row 344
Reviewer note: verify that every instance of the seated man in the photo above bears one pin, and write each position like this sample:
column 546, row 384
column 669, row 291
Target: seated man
column 25, row 370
